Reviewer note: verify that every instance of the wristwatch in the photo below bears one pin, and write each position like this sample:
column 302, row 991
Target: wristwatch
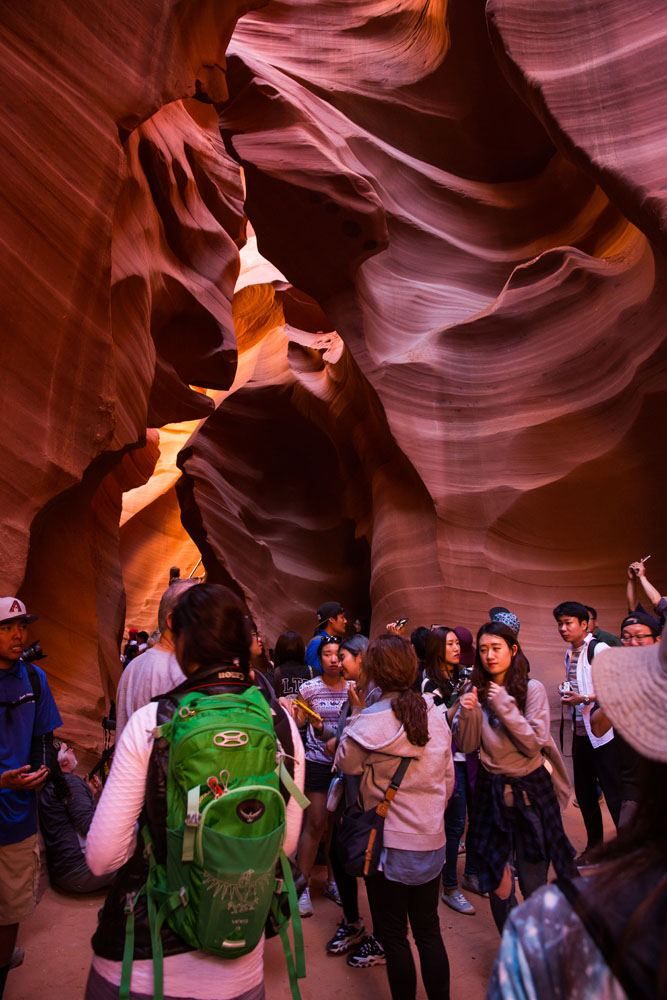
column 587, row 700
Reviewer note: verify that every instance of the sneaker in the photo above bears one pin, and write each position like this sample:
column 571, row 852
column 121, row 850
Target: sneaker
column 345, row 938
column 471, row 883
column 457, row 901
column 331, row 892
column 305, row 904
column 370, row 952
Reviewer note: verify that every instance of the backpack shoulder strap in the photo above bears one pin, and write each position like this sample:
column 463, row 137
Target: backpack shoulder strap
column 32, row 696
column 35, row 682
column 154, row 813
column 590, row 649
column 284, row 735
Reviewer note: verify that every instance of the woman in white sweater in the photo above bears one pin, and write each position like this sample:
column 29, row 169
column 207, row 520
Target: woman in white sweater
column 404, row 724
column 212, row 644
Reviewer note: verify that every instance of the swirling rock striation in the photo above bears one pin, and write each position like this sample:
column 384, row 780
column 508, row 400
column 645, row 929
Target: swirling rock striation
column 440, row 389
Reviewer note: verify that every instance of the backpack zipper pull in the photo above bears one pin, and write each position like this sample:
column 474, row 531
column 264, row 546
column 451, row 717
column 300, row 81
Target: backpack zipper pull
column 215, row 786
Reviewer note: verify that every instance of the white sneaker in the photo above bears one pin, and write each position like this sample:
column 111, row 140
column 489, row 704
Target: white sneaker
column 305, row 903
column 457, row 901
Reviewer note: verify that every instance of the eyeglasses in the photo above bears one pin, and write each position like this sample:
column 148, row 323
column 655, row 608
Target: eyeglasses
column 629, row 640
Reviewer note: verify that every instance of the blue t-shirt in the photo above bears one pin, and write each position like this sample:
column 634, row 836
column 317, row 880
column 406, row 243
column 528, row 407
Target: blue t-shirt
column 18, row 725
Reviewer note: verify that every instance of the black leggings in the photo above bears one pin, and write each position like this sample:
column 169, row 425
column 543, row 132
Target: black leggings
column 347, row 884
column 392, row 905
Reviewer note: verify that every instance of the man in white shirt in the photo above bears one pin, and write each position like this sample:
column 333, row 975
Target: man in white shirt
column 156, row 671
column 594, row 758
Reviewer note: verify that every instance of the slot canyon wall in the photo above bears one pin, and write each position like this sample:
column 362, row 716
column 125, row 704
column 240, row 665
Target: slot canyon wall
column 361, row 300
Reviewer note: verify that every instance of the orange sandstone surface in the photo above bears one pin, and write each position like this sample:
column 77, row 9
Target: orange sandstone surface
column 361, row 300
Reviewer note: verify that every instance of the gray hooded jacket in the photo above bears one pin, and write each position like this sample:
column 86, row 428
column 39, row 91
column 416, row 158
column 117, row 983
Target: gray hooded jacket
column 372, row 744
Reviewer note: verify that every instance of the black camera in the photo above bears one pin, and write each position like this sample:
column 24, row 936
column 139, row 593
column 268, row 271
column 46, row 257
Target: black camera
column 465, row 678
column 34, row 652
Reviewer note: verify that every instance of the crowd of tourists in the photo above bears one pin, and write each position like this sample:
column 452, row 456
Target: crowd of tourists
column 239, row 769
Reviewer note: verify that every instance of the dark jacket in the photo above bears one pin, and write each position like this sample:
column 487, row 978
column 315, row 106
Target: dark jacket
column 62, row 822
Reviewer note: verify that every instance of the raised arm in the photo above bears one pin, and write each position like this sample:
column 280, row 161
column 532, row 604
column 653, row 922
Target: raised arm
column 651, row 592
column 631, row 587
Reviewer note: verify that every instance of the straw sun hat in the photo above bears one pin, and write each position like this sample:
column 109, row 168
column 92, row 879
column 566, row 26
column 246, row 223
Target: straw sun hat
column 631, row 686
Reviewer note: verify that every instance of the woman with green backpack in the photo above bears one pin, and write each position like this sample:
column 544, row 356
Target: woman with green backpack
column 206, row 771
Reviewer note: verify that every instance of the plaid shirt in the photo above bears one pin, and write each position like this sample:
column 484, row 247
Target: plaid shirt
column 535, row 815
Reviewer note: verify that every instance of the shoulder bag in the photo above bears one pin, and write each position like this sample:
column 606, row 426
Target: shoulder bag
column 360, row 830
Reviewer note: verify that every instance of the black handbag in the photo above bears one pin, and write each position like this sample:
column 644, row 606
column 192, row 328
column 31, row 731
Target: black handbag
column 360, row 831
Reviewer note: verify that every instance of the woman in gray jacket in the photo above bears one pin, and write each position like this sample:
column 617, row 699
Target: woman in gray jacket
column 404, row 724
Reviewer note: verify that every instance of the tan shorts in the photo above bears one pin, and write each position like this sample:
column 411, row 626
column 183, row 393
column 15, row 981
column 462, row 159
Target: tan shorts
column 19, row 880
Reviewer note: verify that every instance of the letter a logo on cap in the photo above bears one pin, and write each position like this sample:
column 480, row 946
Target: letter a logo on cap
column 15, row 607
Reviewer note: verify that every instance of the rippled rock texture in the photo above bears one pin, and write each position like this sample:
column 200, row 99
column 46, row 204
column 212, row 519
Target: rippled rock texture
column 446, row 389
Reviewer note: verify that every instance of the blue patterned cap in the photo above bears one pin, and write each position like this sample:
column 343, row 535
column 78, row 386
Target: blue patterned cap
column 507, row 618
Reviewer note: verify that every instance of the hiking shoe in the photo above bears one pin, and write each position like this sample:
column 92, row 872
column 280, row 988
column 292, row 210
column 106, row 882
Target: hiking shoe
column 457, row 901
column 331, row 892
column 471, row 883
column 305, row 904
column 370, row 952
column 345, row 938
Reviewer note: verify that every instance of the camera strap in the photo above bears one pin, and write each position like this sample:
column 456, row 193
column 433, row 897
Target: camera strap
column 29, row 696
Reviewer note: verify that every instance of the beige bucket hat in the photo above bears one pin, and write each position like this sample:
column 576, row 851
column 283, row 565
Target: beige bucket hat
column 631, row 686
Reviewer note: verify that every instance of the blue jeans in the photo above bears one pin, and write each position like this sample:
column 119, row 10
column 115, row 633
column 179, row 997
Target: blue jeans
column 455, row 821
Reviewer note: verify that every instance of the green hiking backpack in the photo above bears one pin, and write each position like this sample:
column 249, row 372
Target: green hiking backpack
column 225, row 871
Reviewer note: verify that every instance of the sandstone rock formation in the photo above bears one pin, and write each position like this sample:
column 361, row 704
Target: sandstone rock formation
column 443, row 385
column 120, row 213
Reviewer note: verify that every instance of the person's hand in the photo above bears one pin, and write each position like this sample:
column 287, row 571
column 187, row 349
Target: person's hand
column 330, row 746
column 94, row 784
column 299, row 716
column 394, row 628
column 356, row 696
column 571, row 698
column 22, row 779
column 469, row 700
column 493, row 690
column 637, row 568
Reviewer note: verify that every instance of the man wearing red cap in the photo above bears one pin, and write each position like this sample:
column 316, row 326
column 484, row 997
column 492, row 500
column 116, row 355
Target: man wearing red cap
column 28, row 716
